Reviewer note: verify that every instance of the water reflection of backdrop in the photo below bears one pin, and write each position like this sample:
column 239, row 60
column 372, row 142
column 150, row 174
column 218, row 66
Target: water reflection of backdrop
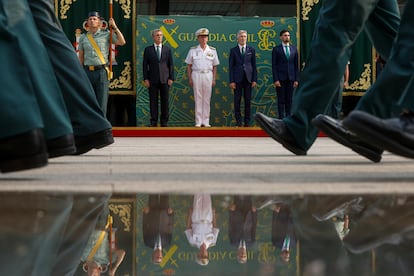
column 263, row 257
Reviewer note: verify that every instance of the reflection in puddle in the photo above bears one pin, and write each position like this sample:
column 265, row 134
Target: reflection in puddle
column 206, row 234
column 219, row 235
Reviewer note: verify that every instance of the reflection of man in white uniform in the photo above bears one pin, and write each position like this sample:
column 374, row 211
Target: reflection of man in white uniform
column 202, row 61
column 201, row 226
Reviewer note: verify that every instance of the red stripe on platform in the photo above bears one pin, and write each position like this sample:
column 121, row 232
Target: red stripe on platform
column 187, row 132
column 190, row 132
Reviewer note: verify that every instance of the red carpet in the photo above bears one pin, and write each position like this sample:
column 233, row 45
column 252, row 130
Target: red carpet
column 188, row 132
column 191, row 132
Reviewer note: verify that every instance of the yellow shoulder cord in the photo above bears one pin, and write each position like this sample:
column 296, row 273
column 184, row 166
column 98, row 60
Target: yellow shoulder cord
column 100, row 239
column 99, row 53
column 110, row 244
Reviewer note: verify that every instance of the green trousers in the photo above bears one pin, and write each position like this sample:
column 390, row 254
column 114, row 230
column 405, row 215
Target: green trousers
column 315, row 238
column 30, row 233
column 30, row 96
column 84, row 110
column 337, row 28
column 47, row 234
column 394, row 90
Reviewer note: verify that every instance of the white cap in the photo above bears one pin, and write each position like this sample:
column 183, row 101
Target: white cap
column 202, row 31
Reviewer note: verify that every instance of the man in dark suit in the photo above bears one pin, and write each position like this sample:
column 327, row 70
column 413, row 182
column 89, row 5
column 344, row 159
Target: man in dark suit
column 285, row 71
column 243, row 76
column 157, row 225
column 283, row 231
column 158, row 71
column 242, row 225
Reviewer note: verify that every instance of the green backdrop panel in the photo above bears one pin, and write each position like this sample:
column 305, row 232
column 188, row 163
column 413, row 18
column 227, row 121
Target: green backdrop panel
column 179, row 35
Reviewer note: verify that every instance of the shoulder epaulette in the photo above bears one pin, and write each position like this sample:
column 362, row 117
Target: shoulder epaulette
column 211, row 47
column 194, row 47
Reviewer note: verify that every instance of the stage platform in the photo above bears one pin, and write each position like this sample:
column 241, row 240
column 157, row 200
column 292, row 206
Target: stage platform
column 191, row 132
column 188, row 132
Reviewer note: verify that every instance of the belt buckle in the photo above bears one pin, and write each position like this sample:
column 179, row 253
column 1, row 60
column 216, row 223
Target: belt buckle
column 91, row 68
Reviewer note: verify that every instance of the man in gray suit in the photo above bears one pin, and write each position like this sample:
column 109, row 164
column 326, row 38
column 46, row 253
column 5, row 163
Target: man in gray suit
column 158, row 71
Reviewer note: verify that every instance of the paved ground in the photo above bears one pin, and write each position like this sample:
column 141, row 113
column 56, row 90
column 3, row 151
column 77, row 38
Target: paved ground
column 219, row 166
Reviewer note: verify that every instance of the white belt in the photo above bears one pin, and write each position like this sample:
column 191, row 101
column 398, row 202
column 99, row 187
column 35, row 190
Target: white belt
column 203, row 221
column 202, row 71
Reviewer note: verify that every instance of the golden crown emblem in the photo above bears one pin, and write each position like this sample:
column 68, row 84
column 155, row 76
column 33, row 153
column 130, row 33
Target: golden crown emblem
column 267, row 23
column 169, row 21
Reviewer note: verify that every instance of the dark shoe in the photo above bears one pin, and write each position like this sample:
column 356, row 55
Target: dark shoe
column 335, row 130
column 22, row 152
column 269, row 202
column 385, row 226
column 395, row 135
column 327, row 207
column 62, row 145
column 164, row 125
column 277, row 129
column 93, row 141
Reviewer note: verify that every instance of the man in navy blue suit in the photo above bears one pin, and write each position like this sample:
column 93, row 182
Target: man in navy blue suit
column 283, row 232
column 158, row 71
column 243, row 76
column 285, row 70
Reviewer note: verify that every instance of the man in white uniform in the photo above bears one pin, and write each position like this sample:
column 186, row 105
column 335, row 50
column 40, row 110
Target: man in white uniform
column 201, row 229
column 202, row 61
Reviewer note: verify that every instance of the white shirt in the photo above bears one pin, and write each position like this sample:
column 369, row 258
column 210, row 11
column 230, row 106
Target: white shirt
column 202, row 230
column 155, row 45
column 202, row 60
column 202, row 233
column 241, row 47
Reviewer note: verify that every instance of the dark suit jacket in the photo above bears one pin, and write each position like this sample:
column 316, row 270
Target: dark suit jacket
column 282, row 225
column 157, row 221
column 282, row 68
column 242, row 222
column 158, row 71
column 239, row 65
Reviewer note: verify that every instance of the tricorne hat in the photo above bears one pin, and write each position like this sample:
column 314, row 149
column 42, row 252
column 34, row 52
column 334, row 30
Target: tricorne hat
column 95, row 13
column 202, row 31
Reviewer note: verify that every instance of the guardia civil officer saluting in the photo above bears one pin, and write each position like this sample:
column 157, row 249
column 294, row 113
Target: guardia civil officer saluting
column 94, row 51
column 202, row 61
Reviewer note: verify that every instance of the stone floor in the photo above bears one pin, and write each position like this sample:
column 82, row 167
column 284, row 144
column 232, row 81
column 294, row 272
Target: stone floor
column 135, row 167
column 216, row 165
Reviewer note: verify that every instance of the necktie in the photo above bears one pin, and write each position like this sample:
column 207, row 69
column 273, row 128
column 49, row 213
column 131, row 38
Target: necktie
column 242, row 51
column 287, row 51
column 242, row 244
column 158, row 52
column 286, row 243
column 158, row 244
